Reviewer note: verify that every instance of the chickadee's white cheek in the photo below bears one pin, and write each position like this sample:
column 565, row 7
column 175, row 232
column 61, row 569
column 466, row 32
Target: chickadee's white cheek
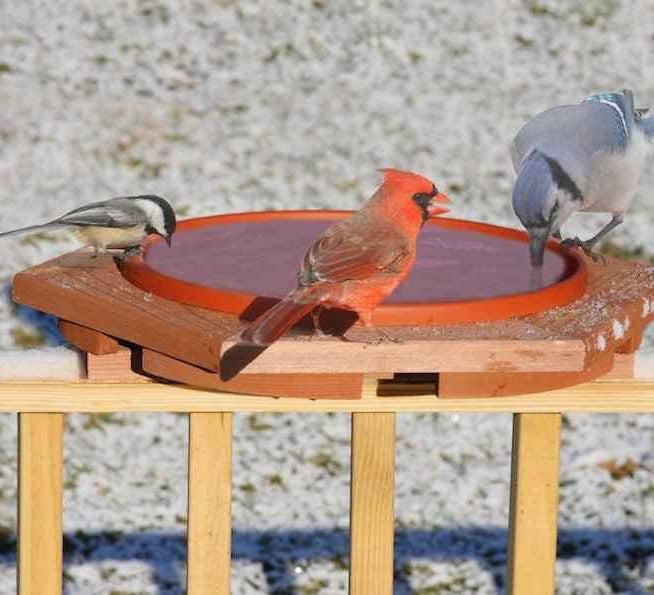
column 108, row 237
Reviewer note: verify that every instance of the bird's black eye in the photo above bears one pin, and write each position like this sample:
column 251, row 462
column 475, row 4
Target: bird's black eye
column 423, row 200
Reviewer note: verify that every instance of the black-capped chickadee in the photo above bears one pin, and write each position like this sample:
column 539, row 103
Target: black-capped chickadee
column 118, row 223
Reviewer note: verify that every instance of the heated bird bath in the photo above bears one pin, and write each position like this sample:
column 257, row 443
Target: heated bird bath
column 467, row 331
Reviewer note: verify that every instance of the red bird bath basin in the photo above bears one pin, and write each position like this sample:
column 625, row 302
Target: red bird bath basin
column 464, row 272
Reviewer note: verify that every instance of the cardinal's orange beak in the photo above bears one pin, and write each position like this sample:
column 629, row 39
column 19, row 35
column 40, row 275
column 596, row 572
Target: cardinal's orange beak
column 436, row 209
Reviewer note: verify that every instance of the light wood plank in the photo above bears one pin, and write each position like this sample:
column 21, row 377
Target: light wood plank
column 459, row 385
column 534, row 503
column 599, row 396
column 209, row 503
column 624, row 366
column 113, row 367
column 371, row 508
column 292, row 356
column 40, row 497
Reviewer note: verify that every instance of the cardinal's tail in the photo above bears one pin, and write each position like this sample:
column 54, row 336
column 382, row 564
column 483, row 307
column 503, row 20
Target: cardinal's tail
column 275, row 322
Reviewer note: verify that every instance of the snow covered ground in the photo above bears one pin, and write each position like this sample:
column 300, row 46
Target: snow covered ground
column 228, row 106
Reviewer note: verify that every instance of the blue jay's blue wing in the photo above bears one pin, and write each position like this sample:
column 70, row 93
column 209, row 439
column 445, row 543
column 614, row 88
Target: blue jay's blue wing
column 117, row 212
column 572, row 135
column 623, row 108
column 622, row 105
column 646, row 125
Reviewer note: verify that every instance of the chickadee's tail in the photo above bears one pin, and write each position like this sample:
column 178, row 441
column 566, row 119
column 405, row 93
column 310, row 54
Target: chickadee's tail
column 26, row 229
column 273, row 323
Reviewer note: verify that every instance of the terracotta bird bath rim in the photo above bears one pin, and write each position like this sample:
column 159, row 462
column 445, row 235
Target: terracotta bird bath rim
column 208, row 255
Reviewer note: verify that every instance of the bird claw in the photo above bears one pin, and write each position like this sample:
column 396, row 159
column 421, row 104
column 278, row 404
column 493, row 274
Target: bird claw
column 133, row 251
column 317, row 334
column 586, row 247
column 129, row 252
column 384, row 336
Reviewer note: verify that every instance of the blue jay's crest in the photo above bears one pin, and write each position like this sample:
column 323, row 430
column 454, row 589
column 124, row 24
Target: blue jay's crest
column 623, row 106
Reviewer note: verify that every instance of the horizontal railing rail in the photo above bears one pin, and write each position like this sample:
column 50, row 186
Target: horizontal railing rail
column 534, row 482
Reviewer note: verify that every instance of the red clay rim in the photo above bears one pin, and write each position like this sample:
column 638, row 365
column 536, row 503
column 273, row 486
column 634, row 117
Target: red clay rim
column 137, row 272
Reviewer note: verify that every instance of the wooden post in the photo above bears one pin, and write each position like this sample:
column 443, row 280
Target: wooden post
column 371, row 507
column 534, row 503
column 40, row 503
column 209, row 503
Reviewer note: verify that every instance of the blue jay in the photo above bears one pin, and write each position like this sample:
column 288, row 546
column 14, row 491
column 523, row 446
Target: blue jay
column 584, row 157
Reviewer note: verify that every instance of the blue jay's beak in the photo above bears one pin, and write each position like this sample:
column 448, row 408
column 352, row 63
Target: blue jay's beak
column 537, row 241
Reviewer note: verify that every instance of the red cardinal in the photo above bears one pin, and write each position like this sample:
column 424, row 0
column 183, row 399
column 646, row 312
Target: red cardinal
column 359, row 261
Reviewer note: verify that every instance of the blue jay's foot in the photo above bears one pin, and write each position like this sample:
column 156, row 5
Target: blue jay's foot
column 587, row 247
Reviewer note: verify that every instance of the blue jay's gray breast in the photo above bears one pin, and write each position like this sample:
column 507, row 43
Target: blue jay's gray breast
column 614, row 176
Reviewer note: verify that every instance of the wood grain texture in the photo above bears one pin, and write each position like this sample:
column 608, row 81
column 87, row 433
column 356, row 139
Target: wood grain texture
column 209, row 503
column 372, row 503
column 534, row 503
column 309, row 386
column 624, row 365
column 599, row 396
column 40, row 503
column 571, row 338
column 91, row 292
column 114, row 367
column 491, row 385
column 322, row 357
column 87, row 339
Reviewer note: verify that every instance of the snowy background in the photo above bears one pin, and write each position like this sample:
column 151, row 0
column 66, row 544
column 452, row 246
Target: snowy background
column 229, row 106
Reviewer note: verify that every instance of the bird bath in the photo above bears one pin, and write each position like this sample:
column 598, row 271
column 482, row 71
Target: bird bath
column 464, row 272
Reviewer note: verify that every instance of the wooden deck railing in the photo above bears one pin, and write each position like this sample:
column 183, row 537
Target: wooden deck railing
column 534, row 480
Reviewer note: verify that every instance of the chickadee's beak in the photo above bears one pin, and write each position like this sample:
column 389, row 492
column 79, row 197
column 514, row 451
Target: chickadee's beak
column 169, row 240
column 537, row 242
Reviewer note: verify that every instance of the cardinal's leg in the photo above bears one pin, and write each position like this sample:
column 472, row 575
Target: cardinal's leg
column 366, row 320
column 315, row 319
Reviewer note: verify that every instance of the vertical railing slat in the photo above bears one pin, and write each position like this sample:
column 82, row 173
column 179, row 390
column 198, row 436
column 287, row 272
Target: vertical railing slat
column 40, row 503
column 209, row 503
column 371, row 506
column 534, row 503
